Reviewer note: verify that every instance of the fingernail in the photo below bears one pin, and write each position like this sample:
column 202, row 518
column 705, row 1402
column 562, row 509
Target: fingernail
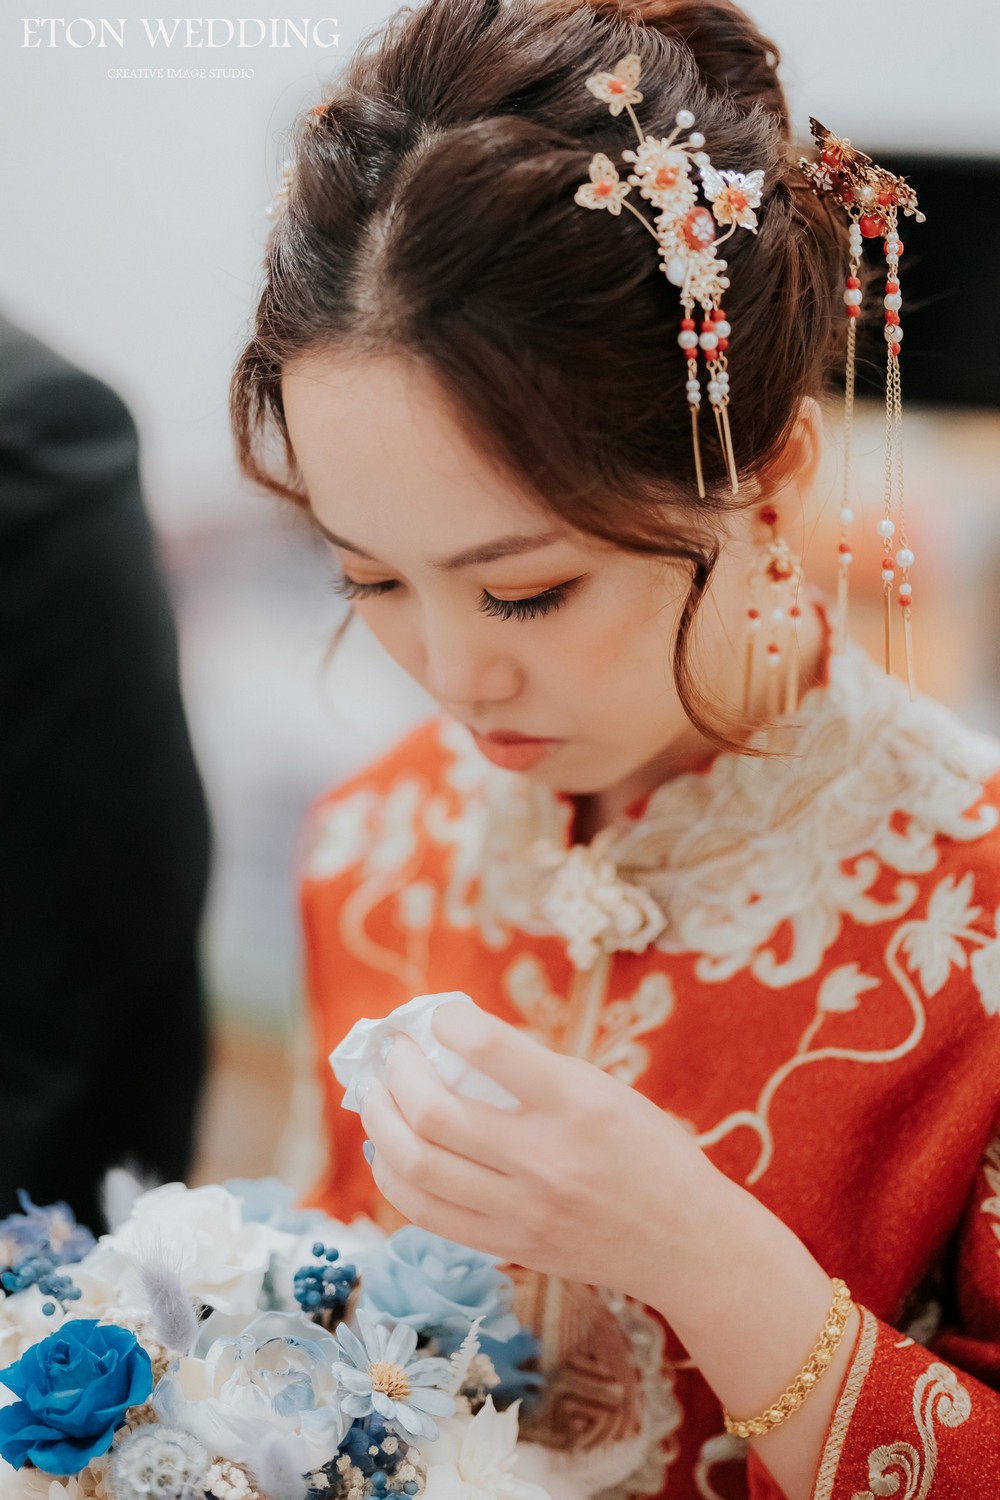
column 369, row 1152
column 362, row 1089
column 388, row 1043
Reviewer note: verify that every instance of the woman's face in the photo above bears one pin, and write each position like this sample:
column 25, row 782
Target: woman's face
column 512, row 620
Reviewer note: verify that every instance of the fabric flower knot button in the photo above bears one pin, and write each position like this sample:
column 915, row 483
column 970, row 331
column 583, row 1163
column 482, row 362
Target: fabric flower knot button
column 591, row 905
column 75, row 1388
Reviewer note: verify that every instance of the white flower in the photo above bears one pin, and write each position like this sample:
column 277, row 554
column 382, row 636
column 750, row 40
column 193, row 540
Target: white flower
column 156, row 1463
column 843, row 986
column 277, row 1374
column 933, row 945
column 662, row 175
column 379, row 1374
column 605, row 189
column 481, row 1455
column 985, row 965
column 618, row 88
column 593, row 907
column 200, row 1235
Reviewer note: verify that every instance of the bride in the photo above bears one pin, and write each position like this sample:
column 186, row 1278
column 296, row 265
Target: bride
column 723, row 890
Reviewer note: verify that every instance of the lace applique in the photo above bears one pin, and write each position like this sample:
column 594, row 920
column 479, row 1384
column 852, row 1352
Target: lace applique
column 861, row 781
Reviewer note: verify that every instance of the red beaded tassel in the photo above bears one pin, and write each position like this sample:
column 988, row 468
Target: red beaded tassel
column 872, row 197
column 773, row 613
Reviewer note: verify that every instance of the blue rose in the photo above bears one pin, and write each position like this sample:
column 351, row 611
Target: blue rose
column 437, row 1286
column 75, row 1388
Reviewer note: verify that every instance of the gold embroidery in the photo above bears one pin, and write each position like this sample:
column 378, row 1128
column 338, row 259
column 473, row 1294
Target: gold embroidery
column 845, row 1407
column 937, row 1385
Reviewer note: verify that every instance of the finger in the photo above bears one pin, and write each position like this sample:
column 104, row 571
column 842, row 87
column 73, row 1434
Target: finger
column 512, row 1058
column 461, row 1225
column 429, row 1168
column 464, row 1126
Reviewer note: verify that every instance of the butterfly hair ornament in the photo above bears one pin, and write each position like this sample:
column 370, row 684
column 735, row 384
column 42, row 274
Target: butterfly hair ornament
column 872, row 198
column 686, row 232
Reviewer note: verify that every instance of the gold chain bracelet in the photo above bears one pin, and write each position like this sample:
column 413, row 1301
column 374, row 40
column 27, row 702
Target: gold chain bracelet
column 805, row 1381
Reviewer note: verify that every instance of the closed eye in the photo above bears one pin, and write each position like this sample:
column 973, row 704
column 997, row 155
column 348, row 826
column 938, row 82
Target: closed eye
column 507, row 609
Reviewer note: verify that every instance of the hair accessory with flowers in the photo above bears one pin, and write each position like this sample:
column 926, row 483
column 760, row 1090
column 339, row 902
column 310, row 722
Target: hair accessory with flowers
column 685, row 231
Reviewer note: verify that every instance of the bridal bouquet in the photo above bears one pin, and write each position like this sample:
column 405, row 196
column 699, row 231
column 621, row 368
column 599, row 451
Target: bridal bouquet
column 219, row 1344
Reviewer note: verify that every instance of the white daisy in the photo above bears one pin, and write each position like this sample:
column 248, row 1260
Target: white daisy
column 379, row 1374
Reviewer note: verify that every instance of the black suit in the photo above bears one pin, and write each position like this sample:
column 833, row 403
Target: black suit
column 104, row 837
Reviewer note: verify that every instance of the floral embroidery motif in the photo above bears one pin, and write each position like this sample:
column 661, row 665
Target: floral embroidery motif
column 607, row 1035
column 937, row 1387
column 991, row 1171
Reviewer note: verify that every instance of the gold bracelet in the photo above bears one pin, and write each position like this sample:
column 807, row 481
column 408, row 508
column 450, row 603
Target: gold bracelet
column 805, row 1381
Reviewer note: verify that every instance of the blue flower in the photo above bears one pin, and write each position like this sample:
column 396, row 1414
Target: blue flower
column 379, row 1374
column 267, row 1200
column 437, row 1286
column 50, row 1231
column 75, row 1388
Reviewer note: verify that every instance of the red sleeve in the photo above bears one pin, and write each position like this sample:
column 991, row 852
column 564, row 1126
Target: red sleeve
column 921, row 1421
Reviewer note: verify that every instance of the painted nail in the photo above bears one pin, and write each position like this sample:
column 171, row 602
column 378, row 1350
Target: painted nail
column 388, row 1043
column 362, row 1090
column 369, row 1152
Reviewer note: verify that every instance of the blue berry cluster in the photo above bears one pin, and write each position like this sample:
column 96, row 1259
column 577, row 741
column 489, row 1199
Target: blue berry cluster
column 38, row 1268
column 323, row 1287
column 378, row 1468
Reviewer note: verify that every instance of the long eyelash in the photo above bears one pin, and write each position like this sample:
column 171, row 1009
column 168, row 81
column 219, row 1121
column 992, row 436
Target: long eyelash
column 353, row 590
column 525, row 609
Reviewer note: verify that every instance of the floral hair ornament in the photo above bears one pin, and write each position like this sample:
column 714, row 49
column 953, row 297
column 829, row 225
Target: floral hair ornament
column 685, row 231
column 872, row 198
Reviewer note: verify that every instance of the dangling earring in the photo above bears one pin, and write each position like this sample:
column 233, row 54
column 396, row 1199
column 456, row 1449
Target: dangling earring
column 773, row 614
column 872, row 198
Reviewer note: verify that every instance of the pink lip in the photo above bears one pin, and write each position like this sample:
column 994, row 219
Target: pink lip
column 514, row 752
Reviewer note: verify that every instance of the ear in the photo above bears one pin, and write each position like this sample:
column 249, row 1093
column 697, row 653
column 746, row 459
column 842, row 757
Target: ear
column 796, row 466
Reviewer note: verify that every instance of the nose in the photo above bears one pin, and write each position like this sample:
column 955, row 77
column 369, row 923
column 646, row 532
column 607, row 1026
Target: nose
column 465, row 666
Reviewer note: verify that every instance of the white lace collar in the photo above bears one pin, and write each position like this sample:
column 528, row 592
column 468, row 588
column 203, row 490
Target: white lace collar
column 859, row 780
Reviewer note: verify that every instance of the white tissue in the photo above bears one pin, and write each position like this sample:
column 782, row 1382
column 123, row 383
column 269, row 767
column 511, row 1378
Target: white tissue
column 359, row 1056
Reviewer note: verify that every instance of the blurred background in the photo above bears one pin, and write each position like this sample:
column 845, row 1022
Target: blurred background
column 134, row 229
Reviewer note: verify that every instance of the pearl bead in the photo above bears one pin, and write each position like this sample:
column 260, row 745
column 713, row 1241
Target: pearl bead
column 694, row 398
column 904, row 557
column 893, row 301
column 846, row 558
column 708, row 340
column 702, row 159
column 867, row 194
column 676, row 271
column 777, row 615
column 723, row 329
column 846, row 516
column 893, row 333
column 886, row 527
column 697, row 139
column 688, row 339
column 887, row 575
column 684, row 118
column 853, row 296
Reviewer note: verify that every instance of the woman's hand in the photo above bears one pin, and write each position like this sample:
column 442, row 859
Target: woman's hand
column 588, row 1180
column 591, row 1181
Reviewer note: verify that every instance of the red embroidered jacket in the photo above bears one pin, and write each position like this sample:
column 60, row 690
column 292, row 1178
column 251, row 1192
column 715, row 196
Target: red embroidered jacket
column 820, row 1002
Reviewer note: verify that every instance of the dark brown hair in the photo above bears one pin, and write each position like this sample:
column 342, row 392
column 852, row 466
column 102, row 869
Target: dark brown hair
column 431, row 216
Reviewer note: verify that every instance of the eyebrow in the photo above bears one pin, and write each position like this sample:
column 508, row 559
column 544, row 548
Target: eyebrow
column 502, row 546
